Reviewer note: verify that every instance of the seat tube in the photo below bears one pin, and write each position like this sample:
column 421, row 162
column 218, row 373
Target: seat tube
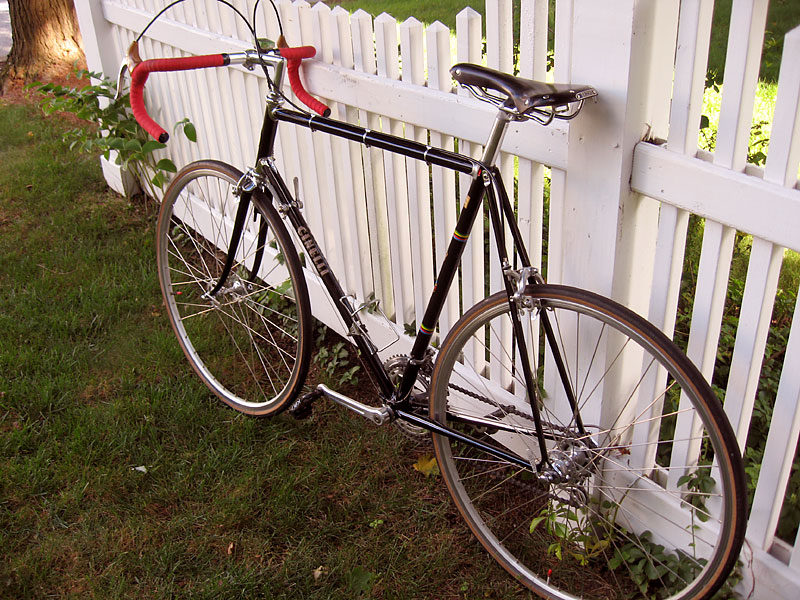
column 492, row 147
column 449, row 265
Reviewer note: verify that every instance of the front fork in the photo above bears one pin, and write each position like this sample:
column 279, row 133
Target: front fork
column 244, row 191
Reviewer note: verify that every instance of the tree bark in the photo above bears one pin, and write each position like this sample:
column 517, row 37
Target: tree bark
column 46, row 39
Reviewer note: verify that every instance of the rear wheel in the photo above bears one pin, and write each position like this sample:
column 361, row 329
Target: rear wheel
column 641, row 491
column 251, row 341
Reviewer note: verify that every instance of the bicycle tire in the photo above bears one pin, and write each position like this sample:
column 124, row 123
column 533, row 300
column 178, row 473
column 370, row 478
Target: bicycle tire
column 616, row 520
column 251, row 343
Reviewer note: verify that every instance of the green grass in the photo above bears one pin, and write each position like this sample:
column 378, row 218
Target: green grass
column 782, row 17
column 444, row 11
column 121, row 477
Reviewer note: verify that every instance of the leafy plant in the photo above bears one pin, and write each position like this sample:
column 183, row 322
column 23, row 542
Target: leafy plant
column 110, row 128
column 360, row 581
column 575, row 534
column 335, row 364
column 410, row 329
column 655, row 571
column 648, row 563
column 700, row 484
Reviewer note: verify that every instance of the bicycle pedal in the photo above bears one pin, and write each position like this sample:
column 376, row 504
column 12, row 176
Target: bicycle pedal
column 302, row 407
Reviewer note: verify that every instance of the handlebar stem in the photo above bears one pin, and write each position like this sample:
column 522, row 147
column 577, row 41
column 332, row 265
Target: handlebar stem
column 251, row 59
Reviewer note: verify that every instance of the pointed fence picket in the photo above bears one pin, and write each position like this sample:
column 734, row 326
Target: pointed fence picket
column 614, row 217
column 413, row 72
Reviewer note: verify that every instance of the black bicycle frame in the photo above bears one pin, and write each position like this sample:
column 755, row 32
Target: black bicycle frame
column 470, row 209
column 486, row 182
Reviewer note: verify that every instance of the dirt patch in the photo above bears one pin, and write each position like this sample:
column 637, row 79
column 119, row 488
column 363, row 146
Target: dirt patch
column 16, row 91
column 10, row 79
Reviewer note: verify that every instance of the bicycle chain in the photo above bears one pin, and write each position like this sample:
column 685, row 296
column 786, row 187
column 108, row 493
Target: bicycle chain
column 539, row 486
column 508, row 409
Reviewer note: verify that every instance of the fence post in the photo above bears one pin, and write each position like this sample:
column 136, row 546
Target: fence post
column 608, row 243
column 602, row 234
column 97, row 34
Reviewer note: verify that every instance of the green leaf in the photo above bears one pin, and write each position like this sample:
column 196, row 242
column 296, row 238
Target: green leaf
column 581, row 558
column 190, row 132
column 265, row 44
column 535, row 522
column 116, row 143
column 133, row 146
column 560, row 530
column 555, row 548
column 158, row 180
column 152, row 146
column 361, row 581
column 166, row 164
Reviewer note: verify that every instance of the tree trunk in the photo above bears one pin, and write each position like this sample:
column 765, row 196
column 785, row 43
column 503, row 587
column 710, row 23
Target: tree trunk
column 46, row 39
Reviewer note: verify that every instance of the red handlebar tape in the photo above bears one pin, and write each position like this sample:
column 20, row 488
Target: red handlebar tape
column 293, row 58
column 140, row 73
column 143, row 69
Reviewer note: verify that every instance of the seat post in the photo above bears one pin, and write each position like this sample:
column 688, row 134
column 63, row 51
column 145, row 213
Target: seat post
column 492, row 146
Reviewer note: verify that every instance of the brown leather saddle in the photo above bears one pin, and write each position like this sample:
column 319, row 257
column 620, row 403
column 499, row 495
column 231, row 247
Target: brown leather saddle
column 524, row 95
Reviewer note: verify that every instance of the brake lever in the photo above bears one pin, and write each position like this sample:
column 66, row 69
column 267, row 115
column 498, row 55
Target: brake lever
column 123, row 67
column 128, row 64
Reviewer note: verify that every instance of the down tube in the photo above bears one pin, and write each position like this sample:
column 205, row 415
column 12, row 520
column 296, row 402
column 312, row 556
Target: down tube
column 368, row 352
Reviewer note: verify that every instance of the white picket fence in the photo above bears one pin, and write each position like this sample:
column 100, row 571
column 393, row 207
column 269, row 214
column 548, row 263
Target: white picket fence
column 619, row 206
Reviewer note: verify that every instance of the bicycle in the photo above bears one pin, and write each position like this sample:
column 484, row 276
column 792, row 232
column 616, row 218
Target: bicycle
column 553, row 410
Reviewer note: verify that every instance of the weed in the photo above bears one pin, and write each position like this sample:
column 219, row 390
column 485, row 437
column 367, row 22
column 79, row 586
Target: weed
column 573, row 531
column 110, row 129
column 360, row 581
column 700, row 485
column 655, row 571
column 335, row 364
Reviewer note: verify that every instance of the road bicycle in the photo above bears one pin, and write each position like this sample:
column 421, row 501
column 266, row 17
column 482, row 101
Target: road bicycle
column 558, row 417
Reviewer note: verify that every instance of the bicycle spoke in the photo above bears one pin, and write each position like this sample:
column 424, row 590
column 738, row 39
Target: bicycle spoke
column 596, row 495
column 247, row 341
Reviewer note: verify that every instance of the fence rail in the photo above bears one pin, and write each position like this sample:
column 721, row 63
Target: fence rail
column 615, row 215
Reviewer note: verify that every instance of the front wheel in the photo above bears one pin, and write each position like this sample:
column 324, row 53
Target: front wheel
column 250, row 342
column 640, row 490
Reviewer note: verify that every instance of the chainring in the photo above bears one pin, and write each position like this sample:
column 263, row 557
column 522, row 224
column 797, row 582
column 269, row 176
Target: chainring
column 395, row 367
